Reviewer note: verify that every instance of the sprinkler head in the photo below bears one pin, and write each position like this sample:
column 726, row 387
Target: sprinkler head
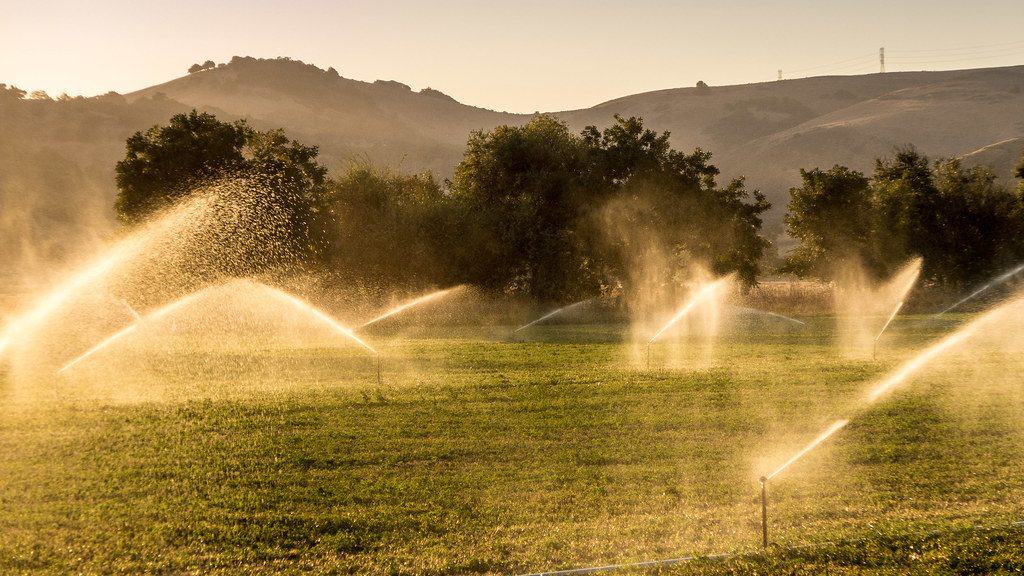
column 762, row 479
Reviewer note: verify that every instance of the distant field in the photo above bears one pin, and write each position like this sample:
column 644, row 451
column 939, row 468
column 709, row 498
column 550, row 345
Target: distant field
column 480, row 454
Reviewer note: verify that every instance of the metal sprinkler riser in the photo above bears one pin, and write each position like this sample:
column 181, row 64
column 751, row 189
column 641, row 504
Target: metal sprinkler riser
column 764, row 511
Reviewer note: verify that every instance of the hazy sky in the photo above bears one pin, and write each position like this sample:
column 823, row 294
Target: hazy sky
column 516, row 56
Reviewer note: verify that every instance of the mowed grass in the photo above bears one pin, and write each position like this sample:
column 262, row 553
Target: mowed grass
column 480, row 453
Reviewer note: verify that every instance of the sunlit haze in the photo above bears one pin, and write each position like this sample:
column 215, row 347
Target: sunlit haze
column 519, row 57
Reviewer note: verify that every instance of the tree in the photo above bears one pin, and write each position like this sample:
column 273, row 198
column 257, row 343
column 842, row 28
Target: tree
column 830, row 215
column 208, row 65
column 683, row 208
column 1019, row 174
column 963, row 224
column 11, row 92
column 531, row 197
column 386, row 229
column 167, row 163
column 514, row 188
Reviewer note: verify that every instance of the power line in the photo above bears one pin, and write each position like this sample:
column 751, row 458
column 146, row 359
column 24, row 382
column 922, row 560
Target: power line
column 969, row 59
column 830, row 64
column 1000, row 52
column 914, row 58
column 976, row 47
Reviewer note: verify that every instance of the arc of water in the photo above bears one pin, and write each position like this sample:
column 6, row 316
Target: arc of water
column 152, row 316
column 835, row 427
column 131, row 310
column 320, row 315
column 551, row 314
column 704, row 293
column 888, row 321
column 410, row 304
column 768, row 313
column 62, row 293
column 901, row 374
column 992, row 284
column 185, row 300
column 103, row 344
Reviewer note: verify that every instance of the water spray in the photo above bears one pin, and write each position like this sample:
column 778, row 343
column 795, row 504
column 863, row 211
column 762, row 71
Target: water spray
column 319, row 315
column 103, row 344
column 128, row 307
column 1002, row 278
column 874, row 344
column 64, row 292
column 759, row 312
column 894, row 379
column 551, row 314
column 330, row 322
column 706, row 291
column 410, row 304
column 835, row 427
column 152, row 316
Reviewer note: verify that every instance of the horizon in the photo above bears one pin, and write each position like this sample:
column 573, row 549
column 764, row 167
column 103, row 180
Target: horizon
column 467, row 51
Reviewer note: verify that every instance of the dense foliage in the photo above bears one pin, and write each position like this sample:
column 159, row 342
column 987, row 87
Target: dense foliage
column 539, row 211
column 382, row 228
column 166, row 163
column 960, row 220
column 536, row 198
column 526, row 212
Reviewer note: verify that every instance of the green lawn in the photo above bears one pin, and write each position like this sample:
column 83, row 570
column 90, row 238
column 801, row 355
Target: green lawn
column 482, row 454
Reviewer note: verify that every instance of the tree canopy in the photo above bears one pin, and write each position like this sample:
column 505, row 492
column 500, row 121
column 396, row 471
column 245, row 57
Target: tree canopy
column 959, row 220
column 166, row 163
column 536, row 194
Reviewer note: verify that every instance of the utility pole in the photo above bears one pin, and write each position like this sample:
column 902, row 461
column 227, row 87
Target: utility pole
column 881, row 59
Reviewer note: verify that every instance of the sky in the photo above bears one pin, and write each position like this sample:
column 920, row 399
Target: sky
column 514, row 56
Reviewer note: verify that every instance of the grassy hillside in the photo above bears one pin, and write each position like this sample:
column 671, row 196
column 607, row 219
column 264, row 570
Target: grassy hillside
column 484, row 455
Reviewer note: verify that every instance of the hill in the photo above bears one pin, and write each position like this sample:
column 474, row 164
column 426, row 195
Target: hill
column 52, row 151
column 768, row 131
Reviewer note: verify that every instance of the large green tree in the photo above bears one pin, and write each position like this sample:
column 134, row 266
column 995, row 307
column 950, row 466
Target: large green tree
column 530, row 197
column 518, row 190
column 167, row 163
column 830, row 215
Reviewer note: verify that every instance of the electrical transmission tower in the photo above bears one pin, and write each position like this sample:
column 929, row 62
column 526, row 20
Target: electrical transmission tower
column 881, row 59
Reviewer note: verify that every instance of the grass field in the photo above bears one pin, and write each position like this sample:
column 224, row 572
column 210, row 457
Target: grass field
column 480, row 454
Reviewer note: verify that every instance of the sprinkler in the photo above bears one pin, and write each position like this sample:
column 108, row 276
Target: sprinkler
column 377, row 355
column 764, row 511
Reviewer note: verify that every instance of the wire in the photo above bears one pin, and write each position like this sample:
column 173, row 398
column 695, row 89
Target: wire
column 830, row 64
column 976, row 47
column 959, row 55
column 971, row 59
column 915, row 57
